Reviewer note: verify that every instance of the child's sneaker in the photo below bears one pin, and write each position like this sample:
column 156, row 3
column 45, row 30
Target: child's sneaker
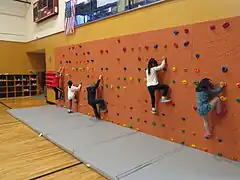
column 165, row 100
column 75, row 100
column 154, row 111
column 103, row 110
column 207, row 135
column 69, row 111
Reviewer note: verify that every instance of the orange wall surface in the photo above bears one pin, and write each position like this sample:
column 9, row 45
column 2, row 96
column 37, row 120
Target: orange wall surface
column 128, row 100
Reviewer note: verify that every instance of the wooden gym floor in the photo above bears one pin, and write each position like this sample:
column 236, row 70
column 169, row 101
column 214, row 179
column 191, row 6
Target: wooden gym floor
column 25, row 155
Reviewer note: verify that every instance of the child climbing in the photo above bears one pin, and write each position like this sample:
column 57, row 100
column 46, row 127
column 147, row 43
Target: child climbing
column 72, row 90
column 93, row 102
column 204, row 91
column 55, row 84
column 153, row 84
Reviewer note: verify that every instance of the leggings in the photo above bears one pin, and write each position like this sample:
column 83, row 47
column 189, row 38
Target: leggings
column 102, row 106
column 70, row 104
column 56, row 90
column 152, row 89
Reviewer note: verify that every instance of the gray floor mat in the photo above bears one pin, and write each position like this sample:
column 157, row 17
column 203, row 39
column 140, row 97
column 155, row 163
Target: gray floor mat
column 122, row 153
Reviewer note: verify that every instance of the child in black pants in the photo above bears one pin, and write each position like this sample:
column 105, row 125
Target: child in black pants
column 93, row 102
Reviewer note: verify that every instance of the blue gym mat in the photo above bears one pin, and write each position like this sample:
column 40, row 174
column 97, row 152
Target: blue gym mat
column 122, row 153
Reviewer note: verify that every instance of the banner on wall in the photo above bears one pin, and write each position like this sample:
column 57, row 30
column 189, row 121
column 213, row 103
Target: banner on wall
column 69, row 23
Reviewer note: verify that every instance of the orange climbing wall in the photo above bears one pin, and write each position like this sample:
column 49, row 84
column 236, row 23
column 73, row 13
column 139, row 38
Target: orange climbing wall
column 129, row 105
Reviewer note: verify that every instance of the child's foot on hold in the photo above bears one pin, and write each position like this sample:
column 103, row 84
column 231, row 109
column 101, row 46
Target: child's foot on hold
column 103, row 110
column 207, row 135
column 75, row 100
column 154, row 111
column 69, row 111
column 165, row 100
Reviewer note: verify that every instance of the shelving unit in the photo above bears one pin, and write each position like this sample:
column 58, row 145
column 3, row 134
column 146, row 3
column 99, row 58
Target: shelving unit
column 18, row 85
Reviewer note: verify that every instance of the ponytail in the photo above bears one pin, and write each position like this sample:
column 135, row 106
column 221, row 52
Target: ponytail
column 70, row 83
column 151, row 63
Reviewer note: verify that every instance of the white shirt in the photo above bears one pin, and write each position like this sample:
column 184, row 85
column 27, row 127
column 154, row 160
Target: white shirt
column 72, row 90
column 152, row 79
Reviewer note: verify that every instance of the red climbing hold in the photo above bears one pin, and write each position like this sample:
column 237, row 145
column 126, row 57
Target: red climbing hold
column 146, row 47
column 118, row 41
column 175, row 45
column 226, row 25
column 186, row 31
column 212, row 27
column 165, row 46
column 124, row 49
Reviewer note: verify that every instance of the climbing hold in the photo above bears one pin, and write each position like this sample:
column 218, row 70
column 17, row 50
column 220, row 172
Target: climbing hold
column 154, row 123
column 124, row 125
column 172, row 139
column 139, row 58
column 145, row 121
column 220, row 140
column 124, row 78
column 132, row 49
column 196, row 70
column 182, row 142
column 212, row 27
column 130, row 126
column 185, row 69
column 175, row 45
column 88, row 76
column 197, row 56
column 222, row 98
column 163, row 125
column 186, row 31
column 139, row 79
column 101, row 69
column 138, row 119
column 194, row 108
column 124, row 87
column 118, row 59
column 111, row 86
column 163, row 114
column 106, row 69
column 196, row 83
column 184, row 82
column 156, row 46
column 118, row 78
column 174, row 69
column 106, row 85
column 106, row 51
column 137, row 129
column 183, row 118
column 124, row 49
column 131, row 108
column 165, row 46
column 175, row 32
column 139, row 69
column 224, row 69
column 238, row 85
column 117, row 114
column 125, row 68
column 183, row 131
column 173, row 81
column 219, row 154
column 193, row 146
column 118, row 87
column 92, row 60
column 164, row 69
column 186, row 43
column 238, row 100
column 193, row 133
column 118, row 41
column 146, row 47
column 130, row 78
column 118, row 96
column 88, row 53
column 226, row 25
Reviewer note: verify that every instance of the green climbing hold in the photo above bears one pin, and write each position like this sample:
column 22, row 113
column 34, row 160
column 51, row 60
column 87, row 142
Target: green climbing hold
column 139, row 79
column 118, row 87
column 163, row 125
column 219, row 154
column 154, row 123
column 173, row 81
column 124, row 78
column 238, row 100
column 130, row 126
column 183, row 131
column 146, row 69
column 164, row 69
column 106, row 85
column 182, row 142
column 138, row 119
column 94, row 84
column 196, row 83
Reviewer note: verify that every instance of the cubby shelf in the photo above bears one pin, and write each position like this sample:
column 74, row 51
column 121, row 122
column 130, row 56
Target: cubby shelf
column 15, row 85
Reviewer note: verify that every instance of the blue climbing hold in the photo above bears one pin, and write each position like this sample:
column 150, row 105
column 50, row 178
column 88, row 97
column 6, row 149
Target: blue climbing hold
column 125, row 68
column 183, row 118
column 197, row 56
column 220, row 140
column 156, row 46
column 175, row 32
column 186, row 43
column 224, row 69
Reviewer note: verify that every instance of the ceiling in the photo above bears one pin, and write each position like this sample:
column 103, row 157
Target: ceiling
column 14, row 8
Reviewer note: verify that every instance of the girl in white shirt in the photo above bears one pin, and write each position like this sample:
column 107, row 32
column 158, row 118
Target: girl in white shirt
column 153, row 84
column 71, row 94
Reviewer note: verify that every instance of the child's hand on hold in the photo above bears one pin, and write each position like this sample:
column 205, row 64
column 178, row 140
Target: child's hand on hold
column 100, row 77
column 222, row 84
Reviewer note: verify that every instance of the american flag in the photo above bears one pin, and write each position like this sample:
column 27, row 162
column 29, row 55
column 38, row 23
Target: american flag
column 69, row 16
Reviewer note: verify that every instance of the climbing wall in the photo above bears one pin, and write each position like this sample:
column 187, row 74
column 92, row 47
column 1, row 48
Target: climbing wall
column 210, row 49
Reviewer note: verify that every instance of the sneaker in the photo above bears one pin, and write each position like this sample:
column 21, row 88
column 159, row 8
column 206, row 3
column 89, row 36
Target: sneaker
column 154, row 111
column 75, row 100
column 207, row 135
column 165, row 100
column 103, row 110
column 69, row 111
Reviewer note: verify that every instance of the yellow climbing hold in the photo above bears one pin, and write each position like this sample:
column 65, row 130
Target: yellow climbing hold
column 174, row 69
column 184, row 82
column 130, row 78
column 124, row 87
column 222, row 98
column 171, row 139
column 111, row 86
column 193, row 146
column 124, row 125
